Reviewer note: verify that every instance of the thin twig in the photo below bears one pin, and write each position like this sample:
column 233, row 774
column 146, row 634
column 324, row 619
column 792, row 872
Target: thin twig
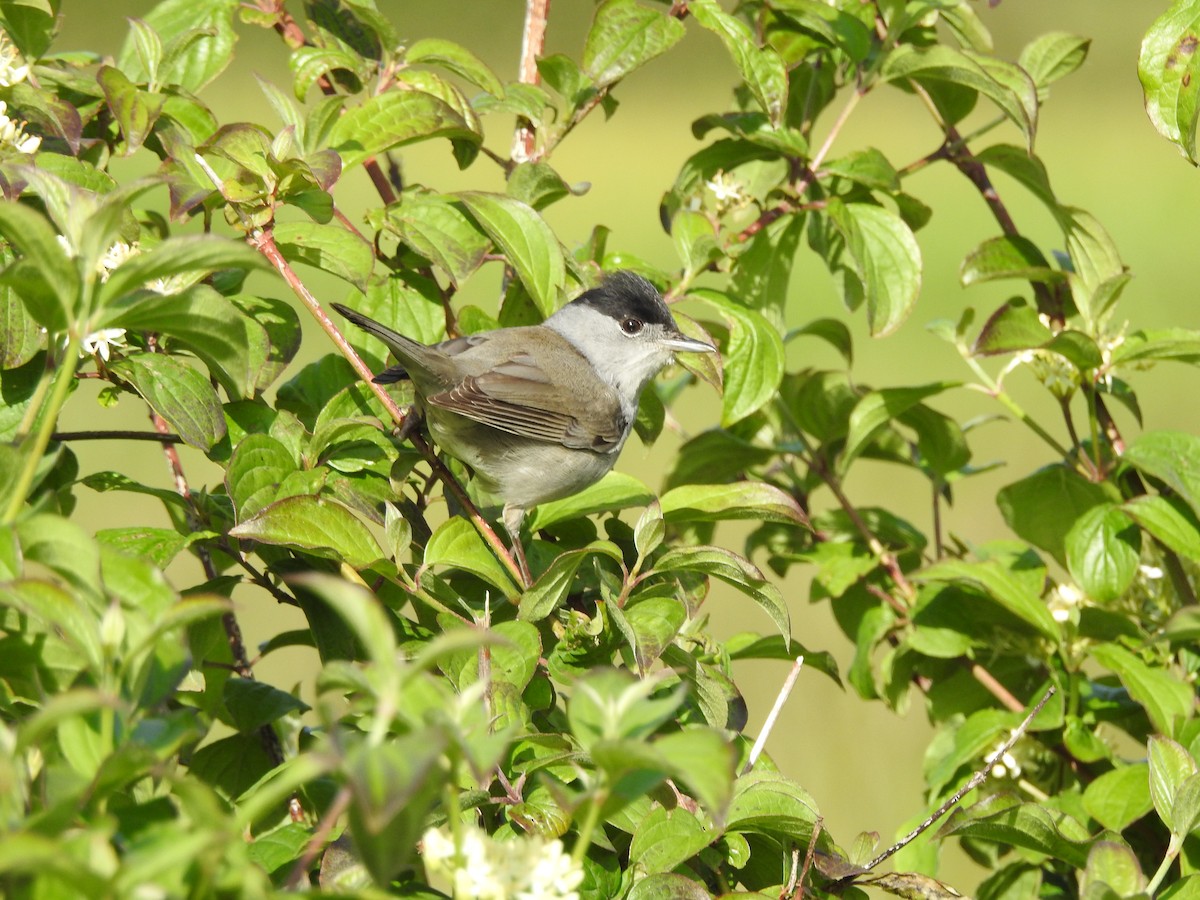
column 233, row 631
column 533, row 43
column 780, row 699
column 808, row 858
column 995, row 688
column 117, row 435
column 977, row 779
column 320, row 837
column 793, row 882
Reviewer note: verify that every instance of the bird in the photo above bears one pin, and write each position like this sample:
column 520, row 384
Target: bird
column 540, row 412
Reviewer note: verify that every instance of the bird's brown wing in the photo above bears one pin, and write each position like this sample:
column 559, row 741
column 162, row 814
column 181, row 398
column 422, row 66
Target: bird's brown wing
column 516, row 396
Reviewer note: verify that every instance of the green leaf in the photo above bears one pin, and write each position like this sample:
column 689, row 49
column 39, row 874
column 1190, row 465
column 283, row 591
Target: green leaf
column 1184, row 625
column 198, row 39
column 231, row 765
column 1018, row 163
column 762, row 272
column 393, row 119
column 457, row 544
column 741, row 500
column 1167, row 68
column 695, row 238
column 66, row 617
column 1002, row 83
column 31, row 24
column 1167, row 700
column 649, row 531
column 876, row 409
column 999, row 583
column 158, row 545
column 1099, row 272
column 1008, row 256
column 1186, row 811
column 733, row 570
column 767, row 802
column 514, row 647
column 44, row 277
column 252, row 704
column 1103, row 549
column 1052, row 56
column 457, row 59
column 614, row 492
column 314, row 524
column 330, row 248
column 281, row 326
column 1112, row 870
column 887, row 261
column 1119, row 797
column 664, row 840
column 1014, row 326
column 360, row 610
column 1181, row 344
column 1170, row 768
column 20, row 336
column 668, row 887
column 761, row 68
column 547, row 594
column 753, row 358
column 258, row 465
column 653, row 623
column 704, row 761
column 201, row 320
column 1004, row 819
column 613, row 705
column 625, row 36
column 135, row 110
column 1043, row 507
column 1173, row 457
column 433, row 226
column 527, row 241
column 178, row 393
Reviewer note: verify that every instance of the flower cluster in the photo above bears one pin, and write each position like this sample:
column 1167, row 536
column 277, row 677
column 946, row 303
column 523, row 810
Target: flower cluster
column 12, row 133
column 1064, row 602
column 12, row 70
column 530, row 868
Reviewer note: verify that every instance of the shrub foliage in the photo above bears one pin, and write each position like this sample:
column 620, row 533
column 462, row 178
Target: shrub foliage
column 581, row 734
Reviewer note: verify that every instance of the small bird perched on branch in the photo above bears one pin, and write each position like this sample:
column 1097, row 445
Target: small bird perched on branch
column 540, row 412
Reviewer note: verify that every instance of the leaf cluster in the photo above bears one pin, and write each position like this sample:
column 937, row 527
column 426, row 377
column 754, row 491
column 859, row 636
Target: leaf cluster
column 591, row 706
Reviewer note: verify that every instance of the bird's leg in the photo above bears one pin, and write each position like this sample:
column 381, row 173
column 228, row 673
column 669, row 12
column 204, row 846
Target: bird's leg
column 410, row 423
column 512, row 517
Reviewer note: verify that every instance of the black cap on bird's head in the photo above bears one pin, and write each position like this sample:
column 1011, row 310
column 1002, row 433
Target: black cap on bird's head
column 627, row 294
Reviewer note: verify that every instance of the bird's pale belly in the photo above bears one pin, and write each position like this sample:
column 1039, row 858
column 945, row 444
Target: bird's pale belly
column 519, row 472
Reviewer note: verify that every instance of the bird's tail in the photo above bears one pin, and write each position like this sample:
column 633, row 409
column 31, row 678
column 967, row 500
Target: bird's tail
column 404, row 348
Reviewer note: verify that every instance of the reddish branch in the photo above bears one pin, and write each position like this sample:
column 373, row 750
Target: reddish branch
column 533, row 43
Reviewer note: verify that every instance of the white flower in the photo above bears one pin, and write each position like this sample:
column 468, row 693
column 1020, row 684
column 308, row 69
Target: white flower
column 10, row 72
column 726, row 189
column 12, row 133
column 1005, row 765
column 553, row 876
column 102, row 342
column 115, row 255
column 1063, row 600
column 1151, row 573
column 528, row 868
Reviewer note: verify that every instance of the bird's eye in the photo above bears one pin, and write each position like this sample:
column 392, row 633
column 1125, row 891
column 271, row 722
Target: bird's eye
column 631, row 326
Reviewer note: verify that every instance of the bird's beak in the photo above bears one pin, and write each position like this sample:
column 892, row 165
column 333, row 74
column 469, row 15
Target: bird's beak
column 678, row 343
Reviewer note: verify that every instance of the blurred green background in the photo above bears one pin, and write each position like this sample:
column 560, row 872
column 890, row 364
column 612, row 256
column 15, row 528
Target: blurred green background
column 862, row 764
